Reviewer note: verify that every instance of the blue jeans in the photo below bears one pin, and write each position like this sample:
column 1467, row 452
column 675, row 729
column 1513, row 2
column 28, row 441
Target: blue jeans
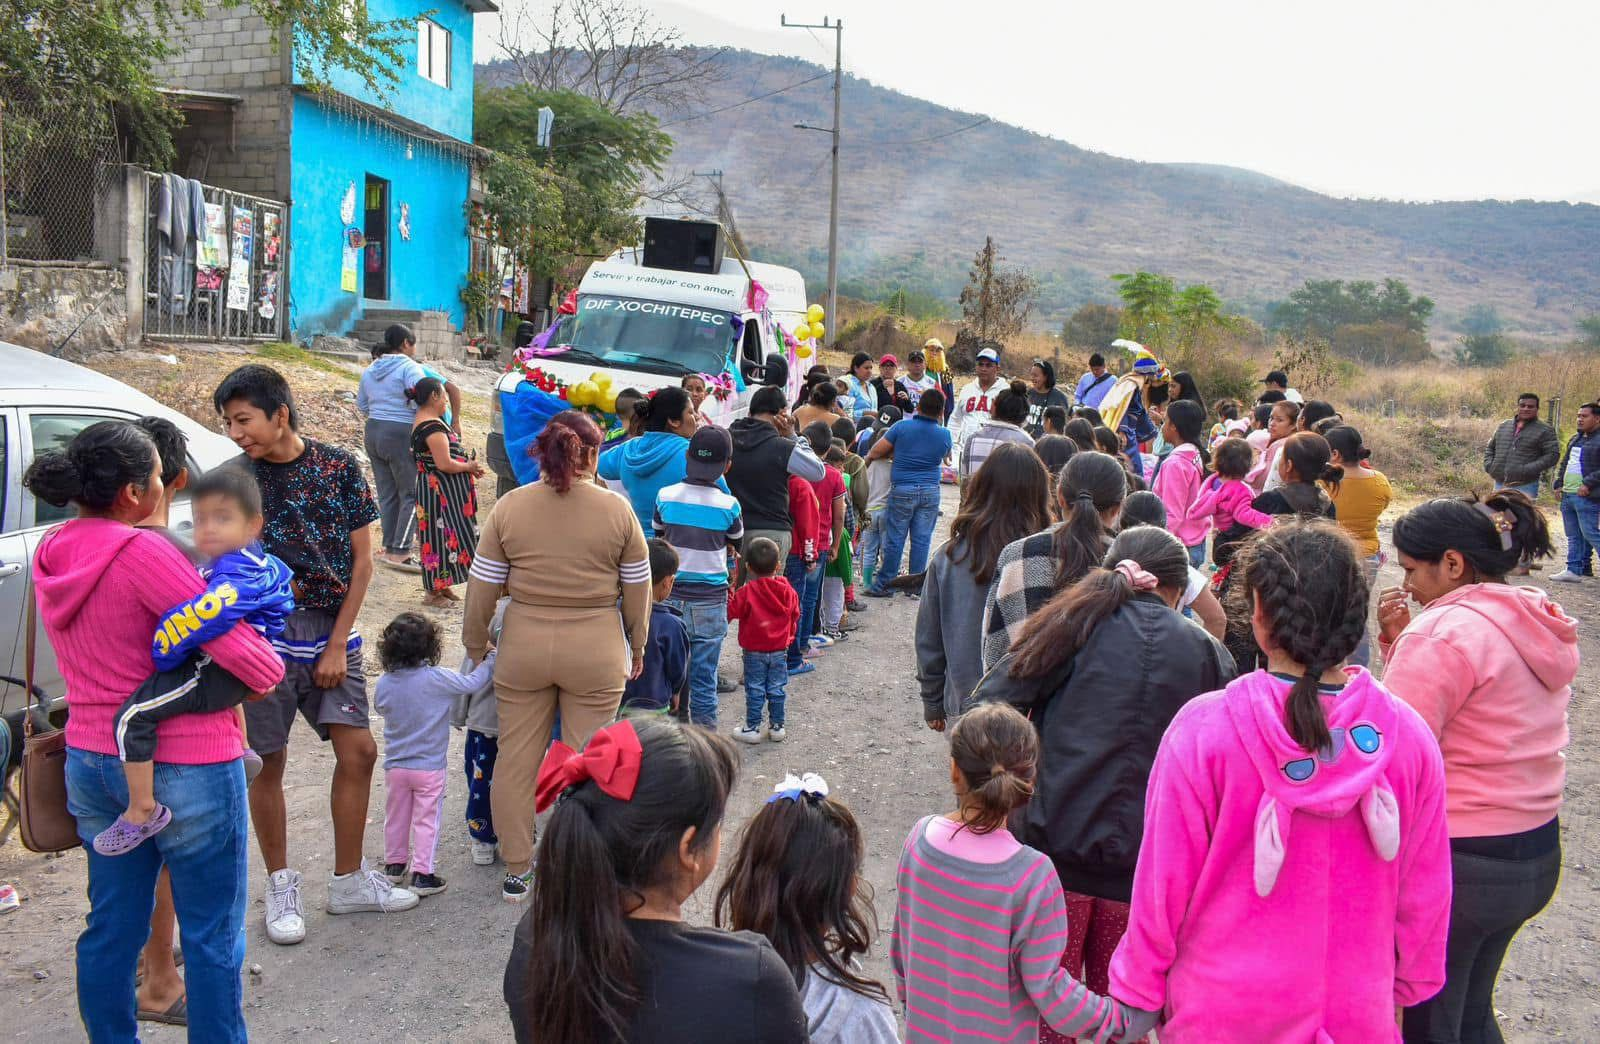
column 1530, row 488
column 204, row 848
column 707, row 623
column 1197, row 555
column 911, row 512
column 765, row 675
column 1580, row 517
column 872, row 544
column 807, row 583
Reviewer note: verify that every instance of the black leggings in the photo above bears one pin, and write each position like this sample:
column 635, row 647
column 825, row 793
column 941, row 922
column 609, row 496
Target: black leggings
column 1499, row 883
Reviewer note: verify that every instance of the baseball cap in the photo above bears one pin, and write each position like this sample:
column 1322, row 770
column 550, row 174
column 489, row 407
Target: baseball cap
column 1276, row 377
column 889, row 415
column 915, row 355
column 709, row 452
column 888, row 360
column 933, row 342
column 989, row 354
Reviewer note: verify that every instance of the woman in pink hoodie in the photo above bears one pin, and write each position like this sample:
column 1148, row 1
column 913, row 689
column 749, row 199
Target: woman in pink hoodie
column 1179, row 476
column 1489, row 667
column 1294, row 877
column 102, row 585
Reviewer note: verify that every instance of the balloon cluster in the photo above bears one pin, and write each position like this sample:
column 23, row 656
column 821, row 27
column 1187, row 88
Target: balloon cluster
column 596, row 392
column 813, row 329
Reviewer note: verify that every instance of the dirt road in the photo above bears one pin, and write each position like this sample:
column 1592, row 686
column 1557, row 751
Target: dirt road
column 434, row 973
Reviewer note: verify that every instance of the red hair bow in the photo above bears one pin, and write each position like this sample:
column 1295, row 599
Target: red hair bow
column 611, row 758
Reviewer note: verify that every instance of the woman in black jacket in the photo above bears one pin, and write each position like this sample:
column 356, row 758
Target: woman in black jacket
column 1102, row 670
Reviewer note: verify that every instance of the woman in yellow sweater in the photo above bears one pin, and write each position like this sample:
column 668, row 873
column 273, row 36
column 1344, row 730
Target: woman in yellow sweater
column 568, row 551
column 1359, row 500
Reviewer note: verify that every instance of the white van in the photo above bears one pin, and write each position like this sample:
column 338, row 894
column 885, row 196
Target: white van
column 648, row 327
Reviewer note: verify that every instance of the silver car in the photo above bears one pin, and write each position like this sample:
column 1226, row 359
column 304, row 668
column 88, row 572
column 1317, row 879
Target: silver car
column 44, row 402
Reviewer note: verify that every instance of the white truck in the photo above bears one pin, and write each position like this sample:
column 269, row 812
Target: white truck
column 647, row 326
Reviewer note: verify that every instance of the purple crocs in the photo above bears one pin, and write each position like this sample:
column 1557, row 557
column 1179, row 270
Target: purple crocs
column 122, row 836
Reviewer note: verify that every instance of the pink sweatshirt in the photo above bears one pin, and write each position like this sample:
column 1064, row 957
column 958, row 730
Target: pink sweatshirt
column 1222, row 502
column 102, row 585
column 1271, row 909
column 1177, row 483
column 1490, row 668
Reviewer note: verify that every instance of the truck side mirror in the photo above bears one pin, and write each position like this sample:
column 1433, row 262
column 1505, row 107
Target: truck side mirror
column 775, row 372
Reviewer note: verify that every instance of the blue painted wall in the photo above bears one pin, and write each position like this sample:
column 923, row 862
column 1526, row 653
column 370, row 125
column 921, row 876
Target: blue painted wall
column 329, row 150
column 445, row 109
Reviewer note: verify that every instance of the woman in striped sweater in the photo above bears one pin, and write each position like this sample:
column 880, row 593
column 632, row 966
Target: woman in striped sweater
column 981, row 923
column 567, row 550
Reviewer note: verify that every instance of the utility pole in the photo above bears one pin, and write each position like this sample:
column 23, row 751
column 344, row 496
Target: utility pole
column 837, row 27
column 715, row 177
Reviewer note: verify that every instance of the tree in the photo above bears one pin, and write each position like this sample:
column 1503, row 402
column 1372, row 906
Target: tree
column 591, row 174
column 1483, row 342
column 1148, row 299
column 1380, row 343
column 1591, row 331
column 996, row 301
column 83, row 61
column 1092, row 326
column 1321, row 306
column 608, row 50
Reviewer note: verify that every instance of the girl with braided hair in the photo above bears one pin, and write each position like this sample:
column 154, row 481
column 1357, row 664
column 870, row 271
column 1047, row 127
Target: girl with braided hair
column 1489, row 666
column 1294, row 871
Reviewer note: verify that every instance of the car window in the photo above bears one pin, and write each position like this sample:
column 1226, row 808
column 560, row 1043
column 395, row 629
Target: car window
column 55, row 431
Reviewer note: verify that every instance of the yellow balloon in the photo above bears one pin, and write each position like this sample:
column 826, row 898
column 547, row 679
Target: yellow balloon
column 585, row 394
column 815, row 314
column 609, row 403
column 602, row 380
column 802, row 352
column 809, row 331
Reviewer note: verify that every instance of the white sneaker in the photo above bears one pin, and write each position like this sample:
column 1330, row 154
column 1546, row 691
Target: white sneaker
column 777, row 734
column 483, row 853
column 745, row 734
column 367, row 891
column 820, row 641
column 286, row 919
column 1567, row 576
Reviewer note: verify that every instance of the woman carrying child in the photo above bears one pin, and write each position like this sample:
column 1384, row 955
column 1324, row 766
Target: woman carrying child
column 980, row 925
column 603, row 954
column 1295, row 820
column 1007, row 500
column 1224, row 501
column 1489, row 666
column 446, row 495
column 102, row 586
column 796, row 880
column 1100, row 704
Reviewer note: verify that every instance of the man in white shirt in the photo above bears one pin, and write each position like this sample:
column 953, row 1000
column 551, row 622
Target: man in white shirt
column 975, row 401
column 1277, row 380
column 917, row 379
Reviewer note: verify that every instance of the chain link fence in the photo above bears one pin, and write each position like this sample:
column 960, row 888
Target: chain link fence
column 52, row 171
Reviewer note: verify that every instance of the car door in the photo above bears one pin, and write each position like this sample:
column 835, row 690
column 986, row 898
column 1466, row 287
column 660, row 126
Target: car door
column 14, row 560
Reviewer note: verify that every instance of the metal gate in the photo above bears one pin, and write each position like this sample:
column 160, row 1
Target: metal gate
column 215, row 263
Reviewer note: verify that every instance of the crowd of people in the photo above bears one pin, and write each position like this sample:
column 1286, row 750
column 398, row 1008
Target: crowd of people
column 1172, row 775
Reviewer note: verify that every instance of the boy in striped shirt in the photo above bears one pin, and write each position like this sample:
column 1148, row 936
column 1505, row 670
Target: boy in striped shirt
column 701, row 522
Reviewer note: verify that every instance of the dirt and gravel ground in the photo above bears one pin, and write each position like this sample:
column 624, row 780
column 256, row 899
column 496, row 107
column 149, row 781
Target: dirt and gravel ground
column 433, row 973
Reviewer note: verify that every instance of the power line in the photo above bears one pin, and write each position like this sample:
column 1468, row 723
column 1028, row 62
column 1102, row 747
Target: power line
column 747, row 101
column 935, row 137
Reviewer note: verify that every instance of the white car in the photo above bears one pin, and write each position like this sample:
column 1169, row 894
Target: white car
column 44, row 402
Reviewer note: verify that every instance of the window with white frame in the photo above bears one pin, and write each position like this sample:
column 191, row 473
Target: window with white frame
column 433, row 51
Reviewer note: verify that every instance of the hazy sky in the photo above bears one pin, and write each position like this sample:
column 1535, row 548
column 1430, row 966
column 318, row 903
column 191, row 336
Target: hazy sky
column 1406, row 99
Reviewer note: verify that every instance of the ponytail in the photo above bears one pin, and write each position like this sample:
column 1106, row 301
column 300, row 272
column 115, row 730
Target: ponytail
column 1494, row 534
column 597, row 858
column 99, row 462
column 424, row 390
column 1309, row 454
column 562, row 446
column 1052, row 636
column 662, row 408
column 1089, row 484
column 996, row 750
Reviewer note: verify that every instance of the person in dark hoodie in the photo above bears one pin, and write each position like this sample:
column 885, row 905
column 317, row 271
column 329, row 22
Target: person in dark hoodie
column 1116, row 639
column 765, row 454
column 658, row 458
column 666, row 656
column 1042, row 393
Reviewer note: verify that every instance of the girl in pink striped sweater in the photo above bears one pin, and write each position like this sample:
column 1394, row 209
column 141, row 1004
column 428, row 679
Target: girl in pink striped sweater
column 981, row 923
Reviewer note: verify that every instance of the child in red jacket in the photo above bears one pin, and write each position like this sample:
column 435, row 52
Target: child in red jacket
column 768, row 610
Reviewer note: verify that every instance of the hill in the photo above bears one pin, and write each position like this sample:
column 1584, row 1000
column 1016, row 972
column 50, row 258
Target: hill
column 918, row 194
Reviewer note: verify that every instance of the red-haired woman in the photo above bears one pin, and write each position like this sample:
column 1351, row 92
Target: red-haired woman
column 565, row 549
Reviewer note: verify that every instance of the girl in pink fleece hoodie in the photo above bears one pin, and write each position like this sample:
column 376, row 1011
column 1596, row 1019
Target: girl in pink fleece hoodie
column 1178, row 478
column 1294, row 877
column 1489, row 667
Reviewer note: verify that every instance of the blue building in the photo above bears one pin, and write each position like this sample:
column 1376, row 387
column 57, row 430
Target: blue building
column 377, row 187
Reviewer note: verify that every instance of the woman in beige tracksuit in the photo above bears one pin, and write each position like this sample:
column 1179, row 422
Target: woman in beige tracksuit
column 567, row 551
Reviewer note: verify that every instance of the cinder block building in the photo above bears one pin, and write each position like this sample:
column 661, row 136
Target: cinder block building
column 377, row 187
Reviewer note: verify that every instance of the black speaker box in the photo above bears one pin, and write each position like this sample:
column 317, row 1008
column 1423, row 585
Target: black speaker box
column 683, row 246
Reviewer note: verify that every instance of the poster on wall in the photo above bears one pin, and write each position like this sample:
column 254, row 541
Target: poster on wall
column 405, row 221
column 243, row 248
column 213, row 245
column 271, row 238
column 347, row 206
column 349, row 270
column 267, row 296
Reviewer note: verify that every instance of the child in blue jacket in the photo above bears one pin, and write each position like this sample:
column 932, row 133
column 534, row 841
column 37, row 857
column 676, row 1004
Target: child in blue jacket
column 243, row 582
column 666, row 660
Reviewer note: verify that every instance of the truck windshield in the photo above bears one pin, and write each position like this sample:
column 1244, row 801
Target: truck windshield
column 655, row 336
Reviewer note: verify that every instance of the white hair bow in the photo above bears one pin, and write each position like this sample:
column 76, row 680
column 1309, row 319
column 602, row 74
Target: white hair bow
column 794, row 786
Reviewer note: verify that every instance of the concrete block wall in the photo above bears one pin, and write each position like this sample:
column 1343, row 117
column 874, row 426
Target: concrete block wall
column 232, row 51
